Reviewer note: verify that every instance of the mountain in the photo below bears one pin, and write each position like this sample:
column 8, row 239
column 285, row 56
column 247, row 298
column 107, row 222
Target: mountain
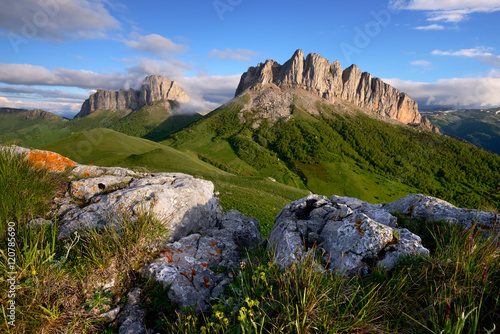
column 32, row 127
column 273, row 87
column 480, row 127
column 288, row 128
column 154, row 88
column 149, row 112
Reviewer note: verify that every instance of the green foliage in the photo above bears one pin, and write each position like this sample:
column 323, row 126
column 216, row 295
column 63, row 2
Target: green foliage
column 352, row 155
column 478, row 126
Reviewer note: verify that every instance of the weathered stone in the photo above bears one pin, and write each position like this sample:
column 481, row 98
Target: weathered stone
column 154, row 88
column 87, row 188
column 195, row 267
column 351, row 242
column 182, row 202
column 434, row 209
column 330, row 82
column 374, row 211
column 346, row 229
column 83, row 171
column 111, row 314
column 131, row 319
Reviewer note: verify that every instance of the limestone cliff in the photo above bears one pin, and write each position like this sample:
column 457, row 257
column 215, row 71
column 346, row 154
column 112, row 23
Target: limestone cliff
column 154, row 88
column 316, row 75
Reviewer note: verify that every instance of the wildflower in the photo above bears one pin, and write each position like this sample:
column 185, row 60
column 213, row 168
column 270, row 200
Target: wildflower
column 219, row 314
column 203, row 329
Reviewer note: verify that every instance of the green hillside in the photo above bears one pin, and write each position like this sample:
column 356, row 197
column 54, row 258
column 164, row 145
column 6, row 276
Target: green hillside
column 254, row 196
column 30, row 127
column 480, row 127
column 334, row 153
column 154, row 122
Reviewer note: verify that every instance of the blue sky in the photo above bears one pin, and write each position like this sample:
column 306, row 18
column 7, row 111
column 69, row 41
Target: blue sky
column 57, row 52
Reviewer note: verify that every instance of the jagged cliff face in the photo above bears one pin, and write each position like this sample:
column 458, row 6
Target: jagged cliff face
column 154, row 88
column 316, row 75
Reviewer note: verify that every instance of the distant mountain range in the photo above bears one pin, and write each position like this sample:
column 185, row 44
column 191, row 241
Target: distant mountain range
column 480, row 127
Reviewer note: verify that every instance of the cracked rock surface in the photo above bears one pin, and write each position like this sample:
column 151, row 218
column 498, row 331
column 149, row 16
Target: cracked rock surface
column 346, row 229
column 197, row 267
column 183, row 203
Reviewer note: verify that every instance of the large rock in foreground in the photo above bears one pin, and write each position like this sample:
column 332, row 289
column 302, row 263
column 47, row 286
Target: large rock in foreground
column 346, row 229
column 196, row 267
column 183, row 203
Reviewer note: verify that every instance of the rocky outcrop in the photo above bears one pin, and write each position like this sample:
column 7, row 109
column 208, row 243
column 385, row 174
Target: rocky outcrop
column 354, row 235
column 154, row 88
column 316, row 75
column 428, row 208
column 196, row 267
column 183, row 203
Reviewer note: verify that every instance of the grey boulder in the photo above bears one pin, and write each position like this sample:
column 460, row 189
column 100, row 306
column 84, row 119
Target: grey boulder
column 434, row 209
column 197, row 267
column 352, row 241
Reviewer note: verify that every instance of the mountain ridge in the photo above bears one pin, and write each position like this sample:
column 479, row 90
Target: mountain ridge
column 154, row 88
column 329, row 82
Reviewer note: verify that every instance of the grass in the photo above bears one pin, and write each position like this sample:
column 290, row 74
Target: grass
column 454, row 290
column 60, row 282
column 25, row 193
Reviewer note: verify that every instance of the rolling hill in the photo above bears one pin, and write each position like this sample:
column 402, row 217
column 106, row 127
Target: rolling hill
column 254, row 196
column 480, row 127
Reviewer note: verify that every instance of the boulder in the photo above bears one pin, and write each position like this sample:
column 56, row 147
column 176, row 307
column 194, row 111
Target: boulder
column 429, row 208
column 197, row 267
column 346, row 230
column 182, row 202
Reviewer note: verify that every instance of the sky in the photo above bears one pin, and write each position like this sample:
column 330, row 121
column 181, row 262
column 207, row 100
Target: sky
column 55, row 53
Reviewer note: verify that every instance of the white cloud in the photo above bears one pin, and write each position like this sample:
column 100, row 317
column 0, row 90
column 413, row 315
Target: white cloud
column 460, row 92
column 430, row 27
column 449, row 10
column 207, row 92
column 154, row 44
column 240, row 55
column 482, row 53
column 55, row 20
column 423, row 63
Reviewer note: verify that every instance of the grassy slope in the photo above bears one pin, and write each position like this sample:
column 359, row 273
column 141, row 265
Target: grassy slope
column 352, row 155
column 478, row 127
column 254, row 196
column 32, row 132
column 152, row 122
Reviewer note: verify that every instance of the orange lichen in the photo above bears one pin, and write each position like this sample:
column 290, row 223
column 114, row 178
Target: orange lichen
column 54, row 162
column 358, row 227
column 193, row 272
column 205, row 284
column 213, row 243
column 204, row 265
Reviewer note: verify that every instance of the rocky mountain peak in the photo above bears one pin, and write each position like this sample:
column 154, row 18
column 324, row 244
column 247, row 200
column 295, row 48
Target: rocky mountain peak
column 154, row 88
column 315, row 74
